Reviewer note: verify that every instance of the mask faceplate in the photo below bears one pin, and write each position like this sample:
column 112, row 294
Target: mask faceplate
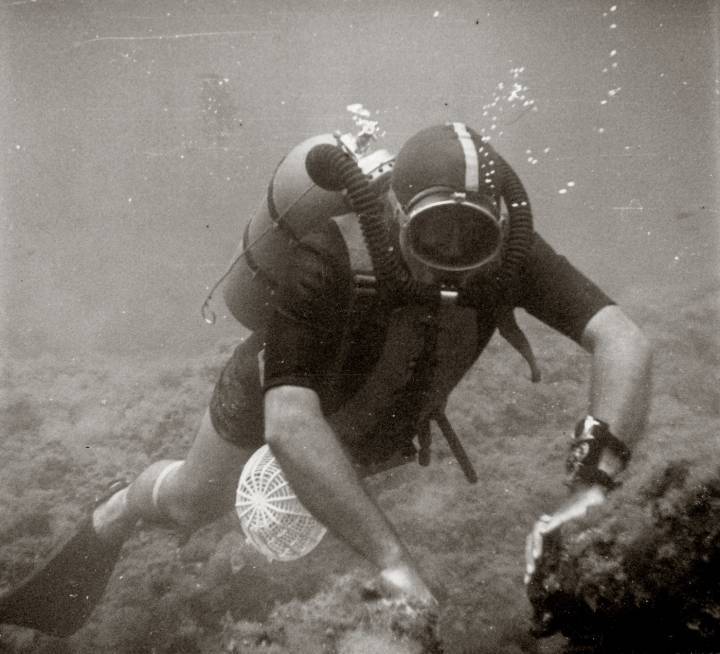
column 447, row 236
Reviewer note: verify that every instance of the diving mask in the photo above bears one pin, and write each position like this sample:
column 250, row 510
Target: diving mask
column 447, row 236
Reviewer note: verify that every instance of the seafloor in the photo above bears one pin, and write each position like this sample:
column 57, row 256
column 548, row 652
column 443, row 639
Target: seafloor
column 73, row 426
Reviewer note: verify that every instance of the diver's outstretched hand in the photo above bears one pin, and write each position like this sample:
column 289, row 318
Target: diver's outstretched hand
column 576, row 506
column 542, row 552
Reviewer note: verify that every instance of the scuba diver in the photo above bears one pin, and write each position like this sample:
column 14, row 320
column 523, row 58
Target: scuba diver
column 371, row 285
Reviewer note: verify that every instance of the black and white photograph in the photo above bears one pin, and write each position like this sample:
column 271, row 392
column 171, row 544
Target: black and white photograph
column 360, row 327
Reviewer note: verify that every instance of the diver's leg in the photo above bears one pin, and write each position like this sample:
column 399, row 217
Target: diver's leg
column 186, row 493
column 199, row 489
column 60, row 595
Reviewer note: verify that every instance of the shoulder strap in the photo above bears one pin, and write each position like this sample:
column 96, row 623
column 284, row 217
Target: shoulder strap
column 360, row 261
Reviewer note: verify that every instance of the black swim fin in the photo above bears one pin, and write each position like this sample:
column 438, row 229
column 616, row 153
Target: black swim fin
column 60, row 595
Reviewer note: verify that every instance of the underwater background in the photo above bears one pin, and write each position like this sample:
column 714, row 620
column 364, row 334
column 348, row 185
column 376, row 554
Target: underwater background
column 138, row 137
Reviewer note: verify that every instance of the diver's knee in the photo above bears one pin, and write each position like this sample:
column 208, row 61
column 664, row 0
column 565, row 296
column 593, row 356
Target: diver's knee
column 192, row 503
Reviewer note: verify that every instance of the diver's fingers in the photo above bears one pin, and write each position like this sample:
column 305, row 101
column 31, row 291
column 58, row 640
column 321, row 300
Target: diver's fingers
column 530, row 548
column 535, row 540
column 544, row 524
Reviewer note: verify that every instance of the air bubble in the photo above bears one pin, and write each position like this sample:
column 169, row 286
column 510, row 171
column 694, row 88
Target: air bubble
column 571, row 184
column 562, row 191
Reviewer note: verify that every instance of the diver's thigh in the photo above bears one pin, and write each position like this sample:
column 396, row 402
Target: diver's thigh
column 202, row 487
column 212, row 457
column 232, row 427
column 230, row 431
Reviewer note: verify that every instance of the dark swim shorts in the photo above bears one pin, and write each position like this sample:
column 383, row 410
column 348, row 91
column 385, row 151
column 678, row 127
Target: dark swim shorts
column 236, row 407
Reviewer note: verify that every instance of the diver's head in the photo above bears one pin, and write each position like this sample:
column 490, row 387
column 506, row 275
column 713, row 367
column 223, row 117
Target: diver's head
column 447, row 206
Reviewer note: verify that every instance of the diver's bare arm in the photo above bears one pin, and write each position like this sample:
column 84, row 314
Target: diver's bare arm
column 620, row 383
column 619, row 394
column 326, row 483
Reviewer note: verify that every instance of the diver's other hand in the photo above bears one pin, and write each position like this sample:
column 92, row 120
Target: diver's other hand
column 404, row 581
column 575, row 506
column 400, row 595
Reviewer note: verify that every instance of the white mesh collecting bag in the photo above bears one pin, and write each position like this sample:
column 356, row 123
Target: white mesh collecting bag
column 271, row 517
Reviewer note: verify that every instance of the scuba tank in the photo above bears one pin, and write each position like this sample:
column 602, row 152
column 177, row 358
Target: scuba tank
column 294, row 206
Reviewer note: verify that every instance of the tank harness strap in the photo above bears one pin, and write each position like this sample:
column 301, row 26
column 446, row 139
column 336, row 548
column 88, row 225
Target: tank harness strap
column 275, row 215
column 424, row 441
column 257, row 271
column 511, row 332
column 455, row 444
column 424, row 435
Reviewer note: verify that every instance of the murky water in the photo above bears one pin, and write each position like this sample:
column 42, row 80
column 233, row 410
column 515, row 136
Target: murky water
column 140, row 136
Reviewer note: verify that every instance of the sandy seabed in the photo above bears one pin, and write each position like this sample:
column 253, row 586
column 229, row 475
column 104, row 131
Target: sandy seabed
column 69, row 427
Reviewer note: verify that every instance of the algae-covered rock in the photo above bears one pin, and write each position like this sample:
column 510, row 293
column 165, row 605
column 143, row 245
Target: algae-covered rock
column 352, row 615
column 641, row 575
